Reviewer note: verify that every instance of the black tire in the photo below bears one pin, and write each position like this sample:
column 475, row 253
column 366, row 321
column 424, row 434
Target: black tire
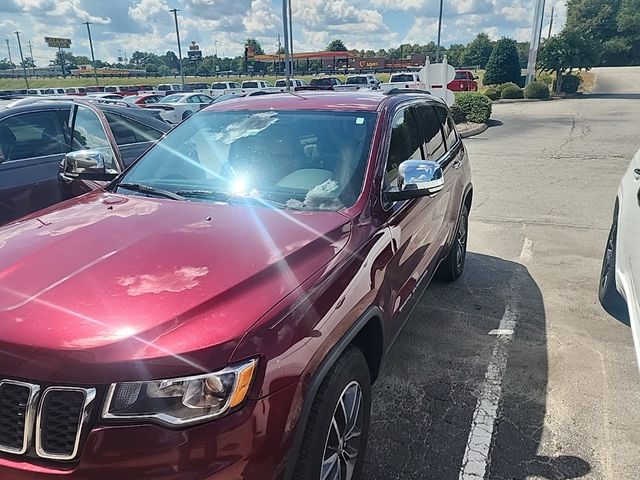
column 608, row 294
column 452, row 267
column 186, row 115
column 351, row 368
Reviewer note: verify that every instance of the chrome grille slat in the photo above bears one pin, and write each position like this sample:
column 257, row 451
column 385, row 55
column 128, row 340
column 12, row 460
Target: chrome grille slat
column 17, row 409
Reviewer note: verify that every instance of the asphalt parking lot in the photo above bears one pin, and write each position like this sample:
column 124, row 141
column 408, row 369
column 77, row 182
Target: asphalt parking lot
column 515, row 371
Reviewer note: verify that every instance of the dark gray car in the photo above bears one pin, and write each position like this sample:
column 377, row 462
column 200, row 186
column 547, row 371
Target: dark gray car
column 35, row 137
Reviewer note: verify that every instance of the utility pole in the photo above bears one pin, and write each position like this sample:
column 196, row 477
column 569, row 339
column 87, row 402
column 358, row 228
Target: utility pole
column 61, row 52
column 24, row 67
column 439, row 33
column 33, row 62
column 553, row 14
column 279, row 54
column 287, row 51
column 290, row 36
column 175, row 16
column 13, row 73
column 536, row 33
column 93, row 58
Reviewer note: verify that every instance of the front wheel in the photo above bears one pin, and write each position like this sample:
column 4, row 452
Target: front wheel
column 335, row 437
column 186, row 115
column 608, row 294
column 452, row 267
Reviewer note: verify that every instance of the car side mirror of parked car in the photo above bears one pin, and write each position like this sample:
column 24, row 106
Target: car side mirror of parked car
column 416, row 178
column 86, row 164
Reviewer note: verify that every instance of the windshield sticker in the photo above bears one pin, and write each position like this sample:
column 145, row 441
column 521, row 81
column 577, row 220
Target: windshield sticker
column 359, row 121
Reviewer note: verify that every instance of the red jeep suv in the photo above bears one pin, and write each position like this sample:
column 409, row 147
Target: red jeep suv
column 221, row 308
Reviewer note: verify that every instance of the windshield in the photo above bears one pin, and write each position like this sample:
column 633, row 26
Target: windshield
column 356, row 80
column 402, row 78
column 249, row 84
column 171, row 99
column 462, row 75
column 301, row 160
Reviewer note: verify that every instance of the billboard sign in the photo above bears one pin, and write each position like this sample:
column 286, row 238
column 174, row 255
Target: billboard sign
column 56, row 42
column 367, row 63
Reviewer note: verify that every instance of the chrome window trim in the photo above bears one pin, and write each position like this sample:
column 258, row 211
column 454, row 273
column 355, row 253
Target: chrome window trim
column 30, row 410
column 89, row 397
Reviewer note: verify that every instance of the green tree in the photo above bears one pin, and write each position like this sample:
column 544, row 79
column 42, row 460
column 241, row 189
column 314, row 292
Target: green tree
column 596, row 18
column 455, row 54
column 5, row 65
column 27, row 63
column 523, row 54
column 504, row 64
column 257, row 48
column 336, row 45
column 478, row 51
column 170, row 59
column 568, row 51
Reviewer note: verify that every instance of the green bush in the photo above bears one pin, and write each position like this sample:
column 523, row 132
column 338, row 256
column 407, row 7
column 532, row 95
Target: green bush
column 547, row 79
column 458, row 114
column 502, row 86
column 492, row 93
column 570, row 83
column 504, row 63
column 475, row 106
column 512, row 92
column 536, row 90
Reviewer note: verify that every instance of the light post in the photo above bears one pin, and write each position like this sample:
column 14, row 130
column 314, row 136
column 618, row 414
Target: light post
column 93, row 58
column 24, row 67
column 287, row 51
column 439, row 33
column 13, row 73
column 536, row 32
column 33, row 62
column 175, row 16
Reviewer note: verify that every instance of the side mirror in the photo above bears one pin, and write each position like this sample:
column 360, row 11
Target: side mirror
column 84, row 161
column 475, row 77
column 416, row 178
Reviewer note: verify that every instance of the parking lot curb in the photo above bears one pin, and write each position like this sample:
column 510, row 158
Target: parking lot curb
column 473, row 129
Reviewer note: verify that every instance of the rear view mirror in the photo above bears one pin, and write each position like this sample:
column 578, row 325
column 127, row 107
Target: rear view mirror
column 416, row 178
column 84, row 162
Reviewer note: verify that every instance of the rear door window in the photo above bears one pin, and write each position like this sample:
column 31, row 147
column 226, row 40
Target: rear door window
column 448, row 127
column 406, row 144
column 431, row 128
column 127, row 130
column 34, row 134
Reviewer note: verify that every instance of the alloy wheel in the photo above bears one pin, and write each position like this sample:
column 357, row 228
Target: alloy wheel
column 461, row 243
column 343, row 438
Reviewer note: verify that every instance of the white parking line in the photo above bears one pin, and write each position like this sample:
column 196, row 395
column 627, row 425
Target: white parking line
column 476, row 454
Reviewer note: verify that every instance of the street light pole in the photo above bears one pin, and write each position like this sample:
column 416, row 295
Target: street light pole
column 439, row 33
column 536, row 32
column 13, row 72
column 93, row 58
column 175, row 16
column 553, row 14
column 290, row 36
column 24, row 67
column 33, row 62
column 287, row 51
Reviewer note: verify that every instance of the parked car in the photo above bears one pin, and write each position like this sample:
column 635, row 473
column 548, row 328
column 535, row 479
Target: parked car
column 122, row 90
column 323, row 83
column 295, row 83
column 220, row 310
column 225, row 88
column 405, row 80
column 465, row 81
column 35, row 137
column 250, row 86
column 105, row 96
column 619, row 290
column 144, row 100
column 176, row 107
column 168, row 88
column 357, row 82
column 79, row 91
column 198, row 87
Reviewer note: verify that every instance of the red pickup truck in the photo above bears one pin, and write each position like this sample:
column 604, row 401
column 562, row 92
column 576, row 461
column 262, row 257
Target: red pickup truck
column 465, row 81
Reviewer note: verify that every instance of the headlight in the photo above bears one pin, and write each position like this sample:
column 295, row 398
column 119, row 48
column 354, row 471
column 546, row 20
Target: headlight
column 181, row 401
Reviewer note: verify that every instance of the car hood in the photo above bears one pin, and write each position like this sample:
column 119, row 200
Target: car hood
column 108, row 278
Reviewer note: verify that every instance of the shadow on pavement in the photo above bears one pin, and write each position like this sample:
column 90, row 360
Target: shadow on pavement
column 426, row 395
column 494, row 123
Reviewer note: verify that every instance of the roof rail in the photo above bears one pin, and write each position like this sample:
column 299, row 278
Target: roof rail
column 397, row 91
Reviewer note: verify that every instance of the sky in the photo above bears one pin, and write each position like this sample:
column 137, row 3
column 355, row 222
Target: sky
column 147, row 25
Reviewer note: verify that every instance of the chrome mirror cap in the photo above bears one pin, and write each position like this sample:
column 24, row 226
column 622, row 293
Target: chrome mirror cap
column 84, row 161
column 416, row 178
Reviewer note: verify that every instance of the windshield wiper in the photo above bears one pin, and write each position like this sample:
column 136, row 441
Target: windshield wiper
column 228, row 198
column 158, row 192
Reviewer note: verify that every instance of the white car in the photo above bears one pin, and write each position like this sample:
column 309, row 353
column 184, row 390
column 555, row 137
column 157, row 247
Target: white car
column 294, row 82
column 219, row 89
column 407, row 80
column 620, row 278
column 358, row 82
column 176, row 107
